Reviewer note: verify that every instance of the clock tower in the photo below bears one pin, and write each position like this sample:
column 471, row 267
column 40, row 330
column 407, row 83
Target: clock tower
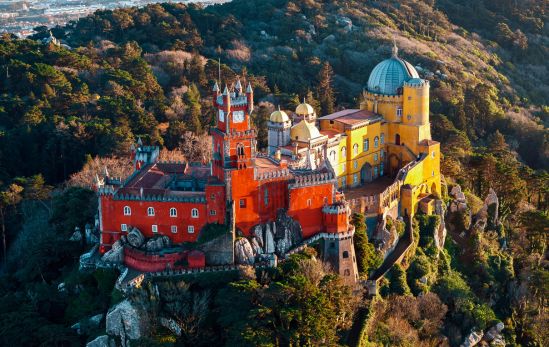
column 233, row 138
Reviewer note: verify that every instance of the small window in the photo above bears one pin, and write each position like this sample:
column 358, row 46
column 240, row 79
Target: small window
column 173, row 212
column 375, row 157
column 433, row 154
column 344, row 152
column 382, row 154
column 409, row 117
column 409, row 98
column 309, row 202
column 399, row 112
column 355, row 149
column 382, row 138
column 212, row 196
column 381, row 168
column 355, row 178
column 376, row 142
column 347, row 272
column 127, row 211
column 194, row 213
column 375, row 171
column 266, row 197
column 124, row 227
column 154, row 228
column 190, row 229
column 213, row 212
column 433, row 174
column 345, row 254
column 150, row 211
column 242, row 203
column 366, row 145
column 174, row 229
column 355, row 164
column 343, row 167
column 333, row 155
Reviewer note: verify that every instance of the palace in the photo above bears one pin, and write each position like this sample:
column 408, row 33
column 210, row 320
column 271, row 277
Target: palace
column 315, row 172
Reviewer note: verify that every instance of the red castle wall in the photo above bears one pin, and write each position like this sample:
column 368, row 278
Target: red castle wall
column 306, row 206
column 148, row 262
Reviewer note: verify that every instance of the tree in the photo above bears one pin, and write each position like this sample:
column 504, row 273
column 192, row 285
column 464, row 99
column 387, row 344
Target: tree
column 367, row 258
column 325, row 91
column 194, row 115
column 9, row 197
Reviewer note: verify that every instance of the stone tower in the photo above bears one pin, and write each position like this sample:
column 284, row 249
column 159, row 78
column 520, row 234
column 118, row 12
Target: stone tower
column 278, row 130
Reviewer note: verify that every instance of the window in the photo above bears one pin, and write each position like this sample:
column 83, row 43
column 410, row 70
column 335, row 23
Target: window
column 382, row 138
column 266, row 197
column 381, row 166
column 344, row 153
column 399, row 112
column 376, row 142
column 433, row 174
column 190, row 229
column 355, row 178
column 433, row 154
column 347, row 272
column 242, row 203
column 240, row 149
column 173, row 212
column 409, row 117
column 343, row 167
column 355, row 149
column 309, row 202
column 382, row 154
column 194, row 213
column 174, row 229
column 124, row 227
column 355, row 164
column 345, row 254
column 343, row 182
column 325, row 200
column 332, row 245
column 150, row 211
column 213, row 212
column 154, row 228
column 375, row 157
column 409, row 98
column 127, row 211
column 333, row 155
column 375, row 171
column 366, row 145
column 212, row 196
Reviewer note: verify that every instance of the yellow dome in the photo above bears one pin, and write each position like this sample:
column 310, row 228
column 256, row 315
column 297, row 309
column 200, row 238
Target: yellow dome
column 279, row 116
column 304, row 131
column 304, row 109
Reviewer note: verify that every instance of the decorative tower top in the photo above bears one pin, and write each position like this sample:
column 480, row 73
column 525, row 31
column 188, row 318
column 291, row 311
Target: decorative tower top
column 395, row 49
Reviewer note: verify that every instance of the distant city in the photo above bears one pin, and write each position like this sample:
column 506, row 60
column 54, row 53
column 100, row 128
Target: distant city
column 20, row 17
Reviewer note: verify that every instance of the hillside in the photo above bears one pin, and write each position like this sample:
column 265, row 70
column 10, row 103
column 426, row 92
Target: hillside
column 68, row 111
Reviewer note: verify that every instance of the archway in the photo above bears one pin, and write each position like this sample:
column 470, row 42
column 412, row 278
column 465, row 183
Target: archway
column 366, row 173
column 397, row 139
column 394, row 164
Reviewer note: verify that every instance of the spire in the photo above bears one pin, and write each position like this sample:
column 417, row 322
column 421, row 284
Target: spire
column 226, row 90
column 304, row 100
column 279, row 107
column 139, row 141
column 238, row 85
column 106, row 172
column 249, row 88
column 216, row 87
column 395, row 48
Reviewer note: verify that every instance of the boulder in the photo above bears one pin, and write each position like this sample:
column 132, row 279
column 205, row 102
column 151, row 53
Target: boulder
column 127, row 321
column 285, row 223
column 243, row 252
column 258, row 233
column 472, row 339
column 136, row 238
column 455, row 190
column 115, row 254
column 256, row 246
column 171, row 325
column 158, row 243
column 269, row 240
column 102, row 341
column 76, row 236
column 284, row 244
column 94, row 321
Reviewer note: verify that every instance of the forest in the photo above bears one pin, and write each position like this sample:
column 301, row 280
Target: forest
column 66, row 111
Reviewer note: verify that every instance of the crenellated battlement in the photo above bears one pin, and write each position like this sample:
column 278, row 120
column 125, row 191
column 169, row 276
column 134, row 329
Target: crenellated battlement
column 312, row 179
column 161, row 198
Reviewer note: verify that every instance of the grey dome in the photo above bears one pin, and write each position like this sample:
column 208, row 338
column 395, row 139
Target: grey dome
column 389, row 75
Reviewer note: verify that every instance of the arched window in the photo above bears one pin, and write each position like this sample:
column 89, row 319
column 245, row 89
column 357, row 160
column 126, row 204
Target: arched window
column 375, row 171
column 376, row 142
column 333, row 155
column 382, row 154
column 344, row 152
column 381, row 169
column 240, row 149
column 375, row 157
column 382, row 138
column 399, row 113
column 150, row 211
column 266, row 197
column 127, row 211
column 194, row 213
column 355, row 149
column 366, row 145
column 173, row 212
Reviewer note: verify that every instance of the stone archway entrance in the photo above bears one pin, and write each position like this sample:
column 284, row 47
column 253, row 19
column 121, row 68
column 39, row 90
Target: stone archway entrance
column 394, row 164
column 366, row 173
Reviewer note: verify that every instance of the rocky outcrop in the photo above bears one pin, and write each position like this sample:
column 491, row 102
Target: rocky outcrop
column 494, row 335
column 157, row 243
column 219, row 251
column 171, row 325
column 127, row 322
column 440, row 231
column 76, row 236
column 287, row 228
column 135, row 238
column 472, row 339
column 459, row 202
column 102, row 341
column 269, row 240
column 115, row 254
column 243, row 252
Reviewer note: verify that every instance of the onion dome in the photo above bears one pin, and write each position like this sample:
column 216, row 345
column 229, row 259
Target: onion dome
column 304, row 131
column 304, row 109
column 388, row 77
column 279, row 116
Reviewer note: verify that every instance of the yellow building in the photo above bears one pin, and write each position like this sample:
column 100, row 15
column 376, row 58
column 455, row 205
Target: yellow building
column 389, row 135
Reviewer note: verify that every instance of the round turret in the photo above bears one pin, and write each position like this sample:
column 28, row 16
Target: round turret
column 388, row 77
column 305, row 111
column 279, row 116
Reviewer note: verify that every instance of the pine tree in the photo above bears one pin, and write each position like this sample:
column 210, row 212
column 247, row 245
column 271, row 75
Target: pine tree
column 194, row 122
column 325, row 91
